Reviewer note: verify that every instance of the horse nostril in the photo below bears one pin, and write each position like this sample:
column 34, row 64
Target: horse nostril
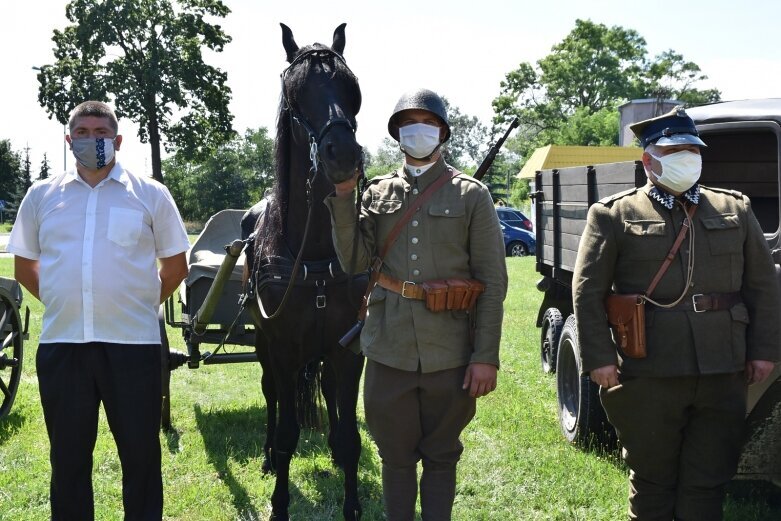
column 330, row 151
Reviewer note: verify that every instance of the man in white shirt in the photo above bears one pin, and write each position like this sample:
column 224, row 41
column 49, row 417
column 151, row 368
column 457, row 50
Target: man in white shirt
column 86, row 244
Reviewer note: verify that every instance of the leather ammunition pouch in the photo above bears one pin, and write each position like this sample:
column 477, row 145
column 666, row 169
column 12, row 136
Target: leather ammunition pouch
column 440, row 294
column 626, row 315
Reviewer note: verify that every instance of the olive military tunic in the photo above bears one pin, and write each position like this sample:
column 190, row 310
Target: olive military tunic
column 456, row 234
column 626, row 239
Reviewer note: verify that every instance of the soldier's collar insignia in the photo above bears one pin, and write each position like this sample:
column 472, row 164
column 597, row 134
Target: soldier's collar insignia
column 668, row 200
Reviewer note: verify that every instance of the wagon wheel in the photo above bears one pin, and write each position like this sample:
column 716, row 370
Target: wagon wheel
column 165, row 374
column 11, row 333
column 550, row 332
column 582, row 419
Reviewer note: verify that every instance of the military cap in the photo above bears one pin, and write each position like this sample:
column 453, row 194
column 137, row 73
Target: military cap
column 421, row 99
column 673, row 128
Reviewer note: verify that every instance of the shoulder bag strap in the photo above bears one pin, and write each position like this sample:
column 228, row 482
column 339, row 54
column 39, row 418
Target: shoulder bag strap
column 673, row 251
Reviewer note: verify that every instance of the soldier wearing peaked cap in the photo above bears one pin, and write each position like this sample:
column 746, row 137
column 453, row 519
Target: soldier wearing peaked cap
column 711, row 324
column 423, row 373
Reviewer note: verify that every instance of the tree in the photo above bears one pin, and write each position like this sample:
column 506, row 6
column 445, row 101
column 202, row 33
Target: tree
column 23, row 181
column 43, row 173
column 146, row 55
column 387, row 159
column 236, row 175
column 468, row 139
column 572, row 93
column 10, row 170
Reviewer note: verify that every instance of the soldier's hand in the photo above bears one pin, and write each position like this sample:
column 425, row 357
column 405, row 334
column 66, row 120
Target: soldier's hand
column 480, row 379
column 345, row 188
column 606, row 376
column 758, row 370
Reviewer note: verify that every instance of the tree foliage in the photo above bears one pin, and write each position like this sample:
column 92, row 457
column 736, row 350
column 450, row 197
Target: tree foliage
column 468, row 139
column 572, row 94
column 10, row 170
column 46, row 168
column 147, row 56
column 236, row 175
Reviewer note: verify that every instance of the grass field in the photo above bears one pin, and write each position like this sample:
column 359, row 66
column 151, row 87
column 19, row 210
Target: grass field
column 516, row 465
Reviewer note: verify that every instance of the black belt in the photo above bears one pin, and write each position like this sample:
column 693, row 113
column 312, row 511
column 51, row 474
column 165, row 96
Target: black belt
column 704, row 302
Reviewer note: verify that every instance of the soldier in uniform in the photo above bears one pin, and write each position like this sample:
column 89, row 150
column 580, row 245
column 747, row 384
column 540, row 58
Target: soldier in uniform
column 423, row 372
column 679, row 412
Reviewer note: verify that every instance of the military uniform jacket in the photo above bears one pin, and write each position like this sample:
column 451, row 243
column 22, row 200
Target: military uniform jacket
column 627, row 237
column 455, row 234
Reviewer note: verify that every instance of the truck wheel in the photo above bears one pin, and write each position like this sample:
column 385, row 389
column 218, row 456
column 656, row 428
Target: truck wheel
column 582, row 419
column 550, row 332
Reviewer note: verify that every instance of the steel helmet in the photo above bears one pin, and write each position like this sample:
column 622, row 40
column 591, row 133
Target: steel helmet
column 422, row 99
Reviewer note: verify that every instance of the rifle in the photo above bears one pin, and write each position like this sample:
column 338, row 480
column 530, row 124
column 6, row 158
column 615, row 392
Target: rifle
column 489, row 159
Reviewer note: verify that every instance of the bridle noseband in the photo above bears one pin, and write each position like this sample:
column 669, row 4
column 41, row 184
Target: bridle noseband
column 315, row 138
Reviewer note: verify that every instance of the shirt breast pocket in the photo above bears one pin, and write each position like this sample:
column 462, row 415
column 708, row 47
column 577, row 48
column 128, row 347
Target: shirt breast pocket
column 124, row 226
column 646, row 239
column 447, row 222
column 724, row 236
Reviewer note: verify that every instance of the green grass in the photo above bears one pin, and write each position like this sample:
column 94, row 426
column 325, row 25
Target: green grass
column 516, row 465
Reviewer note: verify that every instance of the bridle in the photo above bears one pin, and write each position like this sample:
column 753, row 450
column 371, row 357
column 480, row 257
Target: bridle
column 315, row 137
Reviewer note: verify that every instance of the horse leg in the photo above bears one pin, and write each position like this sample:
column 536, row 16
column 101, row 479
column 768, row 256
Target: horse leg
column 330, row 391
column 349, row 439
column 285, row 443
column 270, row 395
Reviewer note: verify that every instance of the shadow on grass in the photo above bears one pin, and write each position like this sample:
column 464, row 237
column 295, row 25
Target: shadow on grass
column 10, row 425
column 235, row 435
column 238, row 436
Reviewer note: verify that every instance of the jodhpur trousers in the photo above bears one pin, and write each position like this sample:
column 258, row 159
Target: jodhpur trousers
column 681, row 438
column 73, row 379
column 416, row 416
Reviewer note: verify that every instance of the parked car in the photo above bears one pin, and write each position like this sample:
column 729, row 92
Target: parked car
column 517, row 241
column 514, row 218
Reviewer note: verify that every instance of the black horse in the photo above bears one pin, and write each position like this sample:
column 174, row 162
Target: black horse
column 303, row 301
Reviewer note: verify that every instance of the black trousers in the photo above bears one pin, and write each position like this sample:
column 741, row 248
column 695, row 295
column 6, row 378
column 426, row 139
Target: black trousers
column 73, row 379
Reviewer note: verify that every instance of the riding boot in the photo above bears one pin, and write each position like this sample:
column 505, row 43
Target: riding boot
column 437, row 493
column 399, row 492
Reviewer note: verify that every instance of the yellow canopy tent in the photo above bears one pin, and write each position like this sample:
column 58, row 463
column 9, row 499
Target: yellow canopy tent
column 560, row 156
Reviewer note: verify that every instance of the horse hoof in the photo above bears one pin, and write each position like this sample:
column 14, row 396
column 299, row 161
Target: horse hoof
column 279, row 517
column 268, row 468
column 355, row 515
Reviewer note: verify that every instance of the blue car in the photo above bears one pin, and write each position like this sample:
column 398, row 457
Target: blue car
column 517, row 242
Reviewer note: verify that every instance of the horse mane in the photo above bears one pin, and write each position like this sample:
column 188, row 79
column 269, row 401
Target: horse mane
column 272, row 235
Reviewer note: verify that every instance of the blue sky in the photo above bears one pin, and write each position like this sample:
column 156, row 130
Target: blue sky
column 461, row 49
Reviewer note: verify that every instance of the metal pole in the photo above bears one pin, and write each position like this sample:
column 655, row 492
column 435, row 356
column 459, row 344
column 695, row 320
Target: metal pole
column 64, row 150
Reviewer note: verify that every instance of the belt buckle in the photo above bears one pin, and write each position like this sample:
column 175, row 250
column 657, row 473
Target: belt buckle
column 406, row 286
column 694, row 303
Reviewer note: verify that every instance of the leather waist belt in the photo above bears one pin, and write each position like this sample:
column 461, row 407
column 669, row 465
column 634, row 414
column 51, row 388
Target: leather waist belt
column 704, row 302
column 404, row 288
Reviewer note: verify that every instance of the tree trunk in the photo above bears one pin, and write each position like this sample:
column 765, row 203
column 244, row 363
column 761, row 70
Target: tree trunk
column 154, row 139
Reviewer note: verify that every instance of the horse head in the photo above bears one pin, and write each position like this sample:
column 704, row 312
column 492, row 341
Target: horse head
column 322, row 97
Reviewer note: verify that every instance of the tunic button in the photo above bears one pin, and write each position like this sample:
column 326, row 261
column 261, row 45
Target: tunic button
column 414, row 191
column 414, row 240
column 413, row 256
column 416, row 272
column 447, row 212
column 415, row 223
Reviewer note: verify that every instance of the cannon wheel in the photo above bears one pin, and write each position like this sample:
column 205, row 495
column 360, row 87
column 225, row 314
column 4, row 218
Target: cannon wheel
column 550, row 332
column 581, row 416
column 165, row 374
column 11, row 333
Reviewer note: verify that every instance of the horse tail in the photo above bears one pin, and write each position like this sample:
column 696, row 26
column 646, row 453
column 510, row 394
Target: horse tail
column 309, row 408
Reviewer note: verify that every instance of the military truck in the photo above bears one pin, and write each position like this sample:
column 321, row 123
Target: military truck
column 744, row 154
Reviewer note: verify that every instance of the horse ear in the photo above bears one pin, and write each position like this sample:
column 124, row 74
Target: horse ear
column 339, row 41
column 289, row 43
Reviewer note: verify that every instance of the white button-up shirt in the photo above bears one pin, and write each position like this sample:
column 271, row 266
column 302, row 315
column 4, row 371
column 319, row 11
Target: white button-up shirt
column 97, row 249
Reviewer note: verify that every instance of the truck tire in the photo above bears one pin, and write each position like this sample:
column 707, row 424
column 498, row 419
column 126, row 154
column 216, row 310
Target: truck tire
column 581, row 417
column 550, row 333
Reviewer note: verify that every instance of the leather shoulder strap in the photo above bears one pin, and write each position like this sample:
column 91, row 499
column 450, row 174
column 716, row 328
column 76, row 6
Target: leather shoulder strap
column 673, row 251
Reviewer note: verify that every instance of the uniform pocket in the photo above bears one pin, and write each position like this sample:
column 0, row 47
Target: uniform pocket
column 723, row 234
column 645, row 240
column 447, row 222
column 653, row 228
column 384, row 206
column 124, row 226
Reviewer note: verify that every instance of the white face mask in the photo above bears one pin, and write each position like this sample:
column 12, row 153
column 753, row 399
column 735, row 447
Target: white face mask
column 680, row 170
column 93, row 153
column 419, row 140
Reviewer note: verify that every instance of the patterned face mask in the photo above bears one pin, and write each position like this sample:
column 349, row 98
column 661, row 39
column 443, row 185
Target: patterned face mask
column 680, row 170
column 93, row 153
